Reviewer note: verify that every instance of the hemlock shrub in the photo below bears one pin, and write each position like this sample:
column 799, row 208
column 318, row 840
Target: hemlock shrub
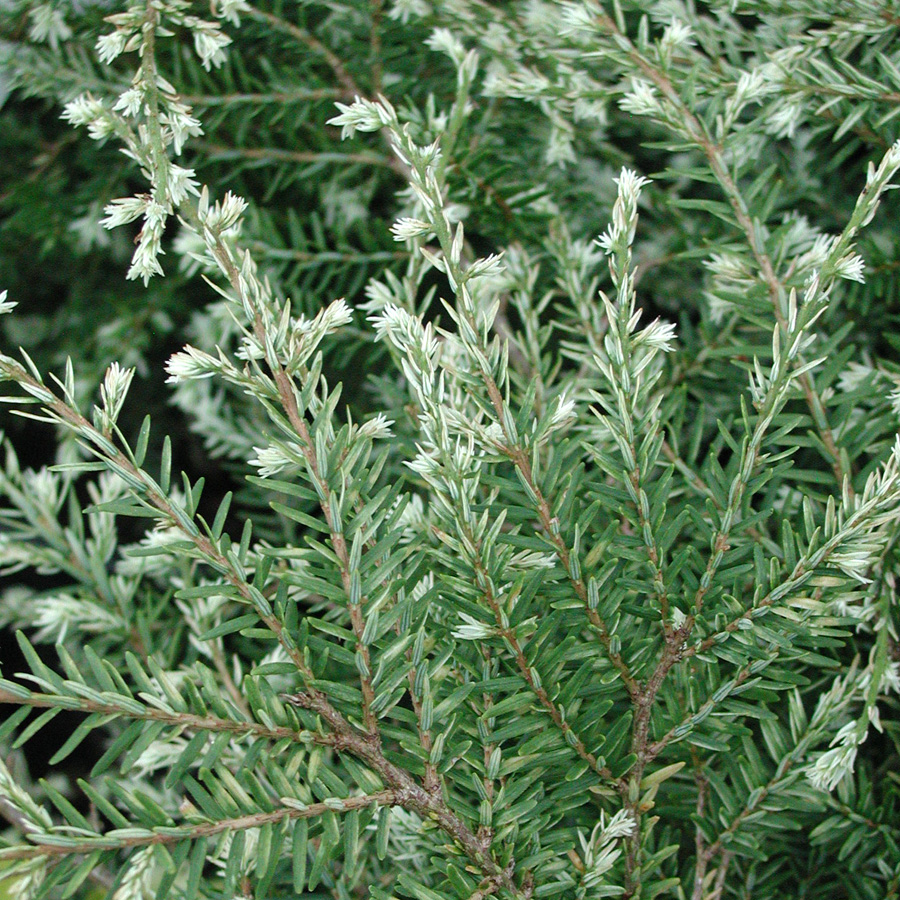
column 586, row 584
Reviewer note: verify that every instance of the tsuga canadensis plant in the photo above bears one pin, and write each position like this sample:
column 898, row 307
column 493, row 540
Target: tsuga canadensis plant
column 583, row 585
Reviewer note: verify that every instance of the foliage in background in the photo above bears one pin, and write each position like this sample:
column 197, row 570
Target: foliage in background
column 552, row 350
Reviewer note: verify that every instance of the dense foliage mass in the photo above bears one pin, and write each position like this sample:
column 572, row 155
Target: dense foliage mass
column 549, row 350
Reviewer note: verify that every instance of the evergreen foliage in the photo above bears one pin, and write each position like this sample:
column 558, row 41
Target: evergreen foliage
column 562, row 555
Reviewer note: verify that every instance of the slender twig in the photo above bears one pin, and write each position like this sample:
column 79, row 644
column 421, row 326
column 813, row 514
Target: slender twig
column 721, row 875
column 699, row 840
column 180, row 720
column 376, row 8
column 277, row 97
column 176, row 834
column 324, row 257
column 277, row 155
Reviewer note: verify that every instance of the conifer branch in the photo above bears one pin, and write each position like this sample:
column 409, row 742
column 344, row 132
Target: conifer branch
column 543, row 601
column 698, row 134
column 50, row 845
